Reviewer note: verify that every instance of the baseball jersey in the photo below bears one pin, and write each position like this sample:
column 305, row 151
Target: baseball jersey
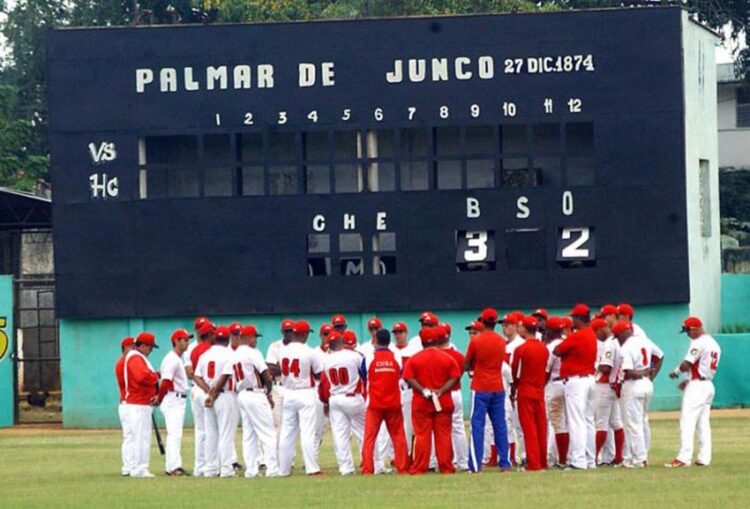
column 382, row 372
column 172, row 368
column 217, row 361
column 635, row 354
column 120, row 376
column 578, row 353
column 299, row 363
column 655, row 350
column 704, row 355
column 272, row 355
column 486, row 354
column 248, row 365
column 367, row 348
column 186, row 356
column 606, row 355
column 459, row 358
column 140, row 379
column 341, row 369
column 507, row 375
column 510, row 347
column 432, row 368
column 553, row 361
column 197, row 353
column 530, row 369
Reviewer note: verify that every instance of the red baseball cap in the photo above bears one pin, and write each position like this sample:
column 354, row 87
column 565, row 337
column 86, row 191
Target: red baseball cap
column 301, row 327
column 235, row 328
column 180, row 334
column 287, row 325
column 567, row 322
column 691, row 322
column 625, row 309
column 428, row 318
column 475, row 325
column 608, row 309
column 399, row 327
column 512, row 319
column 620, row 327
column 326, row 329
column 541, row 312
column 429, row 335
column 222, row 332
column 206, row 328
column 447, row 327
column 199, row 322
column 440, row 332
column 530, row 321
column 555, row 323
column 146, row 338
column 338, row 320
column 128, row 341
column 374, row 323
column 250, row 330
column 335, row 336
column 598, row 323
column 580, row 310
column 488, row 315
column 350, row 338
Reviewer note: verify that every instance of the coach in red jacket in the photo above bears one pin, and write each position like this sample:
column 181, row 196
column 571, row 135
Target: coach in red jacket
column 432, row 373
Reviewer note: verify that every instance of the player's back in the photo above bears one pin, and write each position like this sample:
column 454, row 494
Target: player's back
column 215, row 362
column 707, row 353
column 635, row 353
column 486, row 352
column 298, row 363
column 342, row 371
column 248, row 365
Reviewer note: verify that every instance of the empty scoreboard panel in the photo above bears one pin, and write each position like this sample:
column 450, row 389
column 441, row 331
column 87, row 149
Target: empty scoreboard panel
column 425, row 163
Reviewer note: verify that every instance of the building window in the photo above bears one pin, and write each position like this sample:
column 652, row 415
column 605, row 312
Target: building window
column 743, row 107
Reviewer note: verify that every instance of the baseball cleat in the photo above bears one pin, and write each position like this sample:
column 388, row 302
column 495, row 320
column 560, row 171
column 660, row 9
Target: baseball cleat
column 698, row 464
column 318, row 473
column 237, row 466
column 675, row 464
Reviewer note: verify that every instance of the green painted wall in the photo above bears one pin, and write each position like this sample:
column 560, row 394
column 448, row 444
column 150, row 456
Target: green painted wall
column 735, row 297
column 90, row 348
column 6, row 351
column 732, row 383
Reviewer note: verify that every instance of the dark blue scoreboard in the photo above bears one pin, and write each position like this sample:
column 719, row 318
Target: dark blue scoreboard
column 424, row 163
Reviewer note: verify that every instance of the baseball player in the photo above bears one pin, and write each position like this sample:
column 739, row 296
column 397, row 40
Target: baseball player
column 341, row 393
column 485, row 357
column 510, row 324
column 140, row 394
column 634, row 371
column 607, row 409
column 205, row 331
column 273, row 361
column 529, row 378
column 172, row 396
column 700, row 363
column 214, row 376
column 253, row 381
column 381, row 374
column 432, row 373
column 300, row 367
column 578, row 354
column 126, row 345
column 458, row 428
column 339, row 323
column 405, row 350
column 320, row 417
column 427, row 319
column 554, row 393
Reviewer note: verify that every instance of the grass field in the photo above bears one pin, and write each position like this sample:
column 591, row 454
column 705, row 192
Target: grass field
column 43, row 467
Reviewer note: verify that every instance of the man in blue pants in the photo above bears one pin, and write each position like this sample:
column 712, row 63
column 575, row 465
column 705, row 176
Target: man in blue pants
column 485, row 358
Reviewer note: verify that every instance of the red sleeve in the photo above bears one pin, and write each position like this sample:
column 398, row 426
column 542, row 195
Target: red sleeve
column 166, row 386
column 470, row 351
column 139, row 372
column 564, row 347
column 195, row 355
column 324, row 389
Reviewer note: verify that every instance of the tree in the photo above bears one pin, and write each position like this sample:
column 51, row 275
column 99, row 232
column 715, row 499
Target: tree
column 19, row 167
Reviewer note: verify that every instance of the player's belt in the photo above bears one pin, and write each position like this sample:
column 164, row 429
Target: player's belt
column 576, row 376
column 558, row 379
column 181, row 395
column 256, row 389
column 699, row 378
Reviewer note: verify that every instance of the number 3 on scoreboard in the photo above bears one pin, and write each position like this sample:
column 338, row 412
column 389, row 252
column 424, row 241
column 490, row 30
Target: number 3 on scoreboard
column 576, row 246
column 475, row 250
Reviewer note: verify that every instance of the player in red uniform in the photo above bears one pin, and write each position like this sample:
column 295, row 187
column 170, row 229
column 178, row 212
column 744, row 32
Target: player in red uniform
column 126, row 345
column 432, row 373
column 381, row 372
column 458, row 429
column 529, row 378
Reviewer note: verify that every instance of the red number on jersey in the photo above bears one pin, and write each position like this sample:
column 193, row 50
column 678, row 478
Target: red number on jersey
column 644, row 353
column 211, row 369
column 714, row 360
column 290, row 367
column 338, row 376
column 239, row 374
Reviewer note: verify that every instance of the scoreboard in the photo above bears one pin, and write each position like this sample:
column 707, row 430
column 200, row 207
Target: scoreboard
column 421, row 163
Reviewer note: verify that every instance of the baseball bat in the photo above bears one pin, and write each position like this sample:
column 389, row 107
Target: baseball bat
column 158, row 435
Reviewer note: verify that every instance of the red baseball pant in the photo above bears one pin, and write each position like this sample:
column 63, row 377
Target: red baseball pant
column 533, row 417
column 426, row 424
column 394, row 422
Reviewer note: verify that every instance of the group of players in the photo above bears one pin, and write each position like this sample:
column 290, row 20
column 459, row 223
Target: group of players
column 569, row 392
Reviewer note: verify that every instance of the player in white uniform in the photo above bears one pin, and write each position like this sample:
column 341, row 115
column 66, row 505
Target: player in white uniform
column 172, row 399
column 214, row 375
column 320, row 417
column 300, row 367
column 700, row 363
column 341, row 393
column 607, row 410
column 554, row 395
column 204, row 331
column 512, row 342
column 254, row 382
column 634, row 369
column 274, row 366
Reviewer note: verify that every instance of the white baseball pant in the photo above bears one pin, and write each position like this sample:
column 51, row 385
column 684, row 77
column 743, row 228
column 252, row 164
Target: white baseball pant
column 258, row 433
column 406, row 397
column 199, row 422
column 608, row 418
column 579, row 410
column 695, row 414
column 220, row 428
column 320, row 423
column 347, row 415
column 235, row 423
column 140, row 422
column 636, row 395
column 277, row 393
column 173, row 409
column 514, row 428
column 554, row 396
column 298, row 414
column 458, row 432
column 127, row 439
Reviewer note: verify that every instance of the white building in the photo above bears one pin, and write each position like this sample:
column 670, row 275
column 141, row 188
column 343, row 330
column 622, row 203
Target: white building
column 734, row 119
